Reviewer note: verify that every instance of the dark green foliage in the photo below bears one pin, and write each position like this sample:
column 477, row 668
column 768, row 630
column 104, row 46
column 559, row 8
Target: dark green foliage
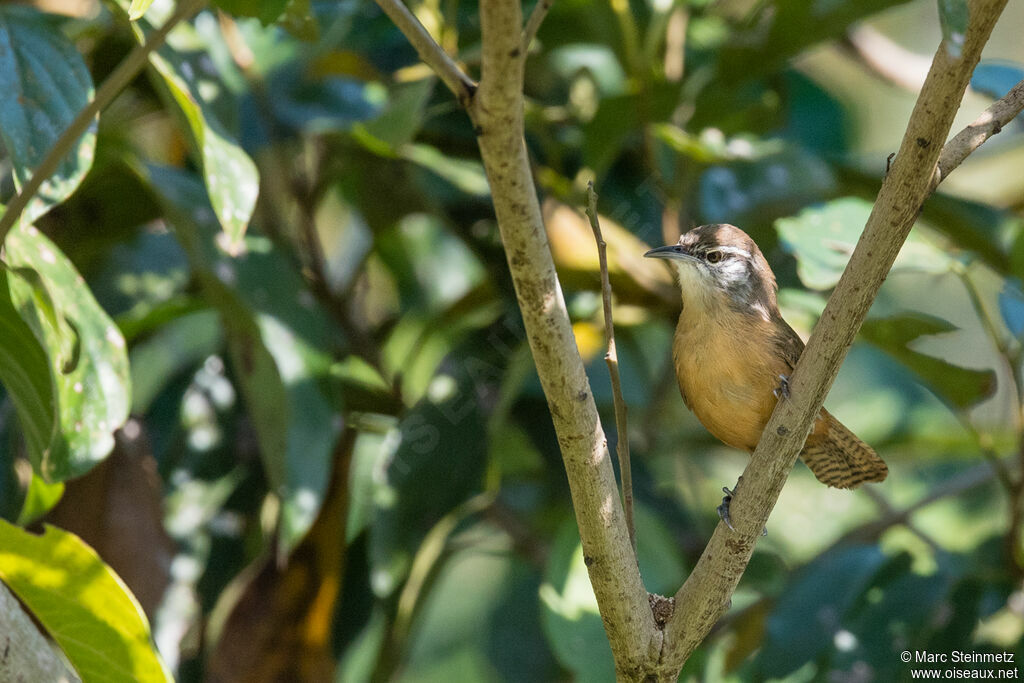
column 285, row 239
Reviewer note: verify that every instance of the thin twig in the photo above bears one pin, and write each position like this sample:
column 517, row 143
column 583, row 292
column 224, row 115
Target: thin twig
column 540, row 10
column 887, row 58
column 429, row 51
column 991, row 121
column 612, row 359
column 129, row 67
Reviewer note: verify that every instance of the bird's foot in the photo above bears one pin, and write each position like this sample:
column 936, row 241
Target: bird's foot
column 782, row 391
column 723, row 509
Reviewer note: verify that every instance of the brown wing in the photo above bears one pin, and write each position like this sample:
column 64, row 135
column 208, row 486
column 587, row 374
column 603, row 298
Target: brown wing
column 788, row 342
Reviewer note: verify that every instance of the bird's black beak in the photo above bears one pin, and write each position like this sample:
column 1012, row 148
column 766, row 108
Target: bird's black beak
column 672, row 251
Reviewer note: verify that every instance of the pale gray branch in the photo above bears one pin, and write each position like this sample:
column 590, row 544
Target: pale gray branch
column 497, row 113
column 28, row 655
column 429, row 51
column 705, row 595
column 991, row 121
column 540, row 10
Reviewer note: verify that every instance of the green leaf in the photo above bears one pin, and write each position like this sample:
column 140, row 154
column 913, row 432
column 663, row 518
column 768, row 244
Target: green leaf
column 277, row 341
column 465, row 174
column 172, row 349
column 82, row 603
column 569, row 614
column 267, row 11
column 138, row 8
column 45, row 84
column 763, row 183
column 775, row 32
column 93, row 382
column 811, row 610
column 26, row 373
column 40, row 498
column 953, row 17
column 232, row 180
column 402, row 116
column 484, row 597
column 960, row 387
column 823, row 237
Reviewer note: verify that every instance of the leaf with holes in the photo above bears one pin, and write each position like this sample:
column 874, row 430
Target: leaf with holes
column 86, row 352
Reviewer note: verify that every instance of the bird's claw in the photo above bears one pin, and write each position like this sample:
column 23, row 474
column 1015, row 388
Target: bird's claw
column 723, row 509
column 782, row 391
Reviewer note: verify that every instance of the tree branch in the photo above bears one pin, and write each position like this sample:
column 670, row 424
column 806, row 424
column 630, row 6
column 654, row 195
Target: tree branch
column 540, row 10
column 611, row 358
column 27, row 654
column 429, row 51
column 129, row 67
column 991, row 121
column 497, row 112
column 705, row 595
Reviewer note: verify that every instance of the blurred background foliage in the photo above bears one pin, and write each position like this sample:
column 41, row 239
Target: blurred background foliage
column 337, row 463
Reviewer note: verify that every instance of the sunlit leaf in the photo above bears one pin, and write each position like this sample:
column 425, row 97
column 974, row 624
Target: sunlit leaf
column 82, row 603
column 86, row 350
column 232, row 180
column 138, row 9
column 45, row 83
column 960, row 387
column 823, row 237
column 569, row 613
column 40, row 497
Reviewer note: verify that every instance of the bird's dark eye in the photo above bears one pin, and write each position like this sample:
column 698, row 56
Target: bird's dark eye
column 679, row 250
column 714, row 256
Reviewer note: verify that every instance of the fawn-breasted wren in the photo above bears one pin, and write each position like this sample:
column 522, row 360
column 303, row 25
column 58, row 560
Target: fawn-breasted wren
column 733, row 353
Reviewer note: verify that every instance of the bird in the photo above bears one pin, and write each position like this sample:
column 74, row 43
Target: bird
column 733, row 353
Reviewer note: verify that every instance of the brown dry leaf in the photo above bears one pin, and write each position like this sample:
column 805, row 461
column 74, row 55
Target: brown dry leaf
column 634, row 279
column 279, row 628
column 117, row 509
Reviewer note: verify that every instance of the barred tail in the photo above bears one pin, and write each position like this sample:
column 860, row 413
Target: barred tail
column 838, row 458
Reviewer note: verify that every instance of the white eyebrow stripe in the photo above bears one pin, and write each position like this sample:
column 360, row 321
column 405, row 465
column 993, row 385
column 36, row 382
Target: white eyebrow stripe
column 731, row 250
